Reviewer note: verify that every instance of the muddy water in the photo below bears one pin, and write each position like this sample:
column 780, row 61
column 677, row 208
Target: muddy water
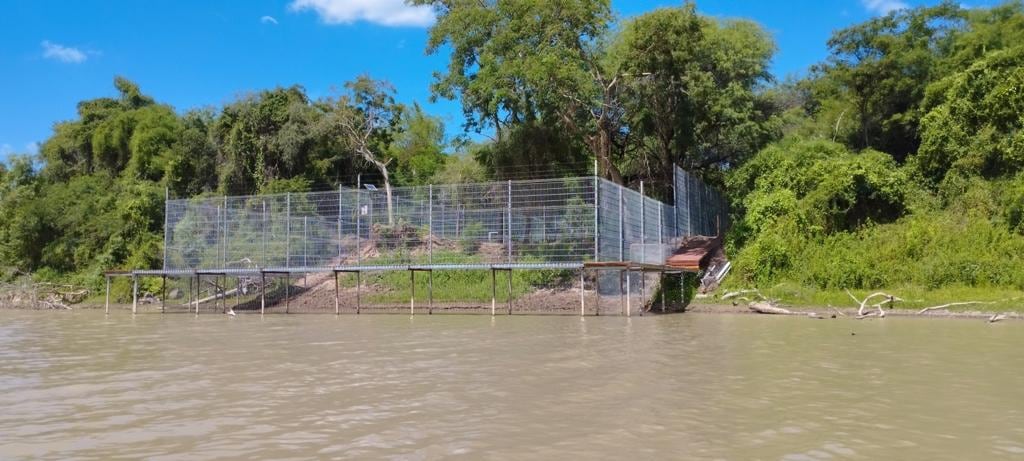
column 88, row 386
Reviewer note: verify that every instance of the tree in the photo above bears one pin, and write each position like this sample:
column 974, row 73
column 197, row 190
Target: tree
column 690, row 89
column 974, row 126
column 535, row 63
column 365, row 119
column 418, row 147
column 885, row 64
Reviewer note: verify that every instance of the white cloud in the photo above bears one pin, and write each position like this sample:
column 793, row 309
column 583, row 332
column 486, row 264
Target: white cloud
column 5, row 150
column 62, row 53
column 383, row 12
column 268, row 20
column 883, row 6
column 32, row 148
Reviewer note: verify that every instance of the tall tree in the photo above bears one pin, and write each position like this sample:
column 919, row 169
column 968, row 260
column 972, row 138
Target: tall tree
column 531, row 62
column 365, row 119
column 690, row 89
column 886, row 64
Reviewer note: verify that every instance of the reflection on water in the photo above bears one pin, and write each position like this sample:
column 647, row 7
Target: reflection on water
column 692, row 386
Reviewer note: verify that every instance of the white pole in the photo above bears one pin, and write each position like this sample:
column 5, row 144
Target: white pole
column 106, row 308
column 643, row 223
column 135, row 293
column 583, row 311
column 430, row 226
column 359, row 216
column 509, row 230
column 494, row 294
column 288, row 231
column 622, row 229
column 629, row 303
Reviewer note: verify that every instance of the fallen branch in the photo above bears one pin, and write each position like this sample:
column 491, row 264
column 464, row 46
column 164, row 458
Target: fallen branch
column 963, row 303
column 997, row 317
column 864, row 303
column 732, row 294
column 763, row 307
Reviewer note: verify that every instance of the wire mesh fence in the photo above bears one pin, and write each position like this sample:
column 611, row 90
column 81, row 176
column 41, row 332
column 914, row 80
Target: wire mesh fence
column 702, row 210
column 509, row 222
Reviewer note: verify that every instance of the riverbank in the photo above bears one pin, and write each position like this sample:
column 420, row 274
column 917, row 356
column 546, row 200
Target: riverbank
column 742, row 308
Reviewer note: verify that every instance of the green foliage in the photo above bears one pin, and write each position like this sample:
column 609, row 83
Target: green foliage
column 975, row 125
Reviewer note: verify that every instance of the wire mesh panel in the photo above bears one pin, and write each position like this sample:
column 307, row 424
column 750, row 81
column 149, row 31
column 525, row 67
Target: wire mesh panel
column 529, row 221
column 700, row 209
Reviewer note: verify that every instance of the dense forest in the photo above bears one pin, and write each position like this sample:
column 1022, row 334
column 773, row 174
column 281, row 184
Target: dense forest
column 896, row 161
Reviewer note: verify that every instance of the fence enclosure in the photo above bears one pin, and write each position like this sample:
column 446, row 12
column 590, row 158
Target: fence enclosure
column 510, row 222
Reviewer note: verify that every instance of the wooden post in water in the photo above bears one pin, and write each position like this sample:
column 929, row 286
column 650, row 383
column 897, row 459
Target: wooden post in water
column 412, row 292
column 358, row 283
column 263, row 292
column 135, row 293
column 106, row 308
column 337, row 295
column 163, row 295
column 622, row 292
column 494, row 294
column 430, row 292
column 583, row 304
column 597, row 292
column 629, row 302
column 661, row 281
column 287, row 289
column 510, row 291
column 198, row 290
column 643, row 292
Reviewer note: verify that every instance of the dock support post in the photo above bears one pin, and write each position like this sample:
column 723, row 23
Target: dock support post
column 430, row 292
column 643, row 292
column 198, row 289
column 629, row 302
column 494, row 290
column 135, row 293
column 224, row 292
column 510, row 292
column 597, row 293
column 358, row 283
column 337, row 295
column 106, row 308
column 583, row 305
column 287, row 288
column 163, row 295
column 263, row 292
column 412, row 292
column 663, row 288
column 622, row 292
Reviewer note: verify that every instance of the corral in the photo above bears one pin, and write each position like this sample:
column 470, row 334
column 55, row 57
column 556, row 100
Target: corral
column 252, row 248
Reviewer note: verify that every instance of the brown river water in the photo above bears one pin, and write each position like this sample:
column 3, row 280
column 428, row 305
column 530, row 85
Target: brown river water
column 82, row 385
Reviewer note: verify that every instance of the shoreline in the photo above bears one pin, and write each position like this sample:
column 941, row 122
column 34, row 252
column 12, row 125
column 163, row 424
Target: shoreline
column 608, row 311
column 849, row 312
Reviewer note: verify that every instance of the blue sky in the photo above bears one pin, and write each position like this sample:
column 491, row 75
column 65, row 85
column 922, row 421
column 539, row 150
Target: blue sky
column 192, row 53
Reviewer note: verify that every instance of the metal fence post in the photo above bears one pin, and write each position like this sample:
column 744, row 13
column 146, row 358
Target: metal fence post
column 167, row 208
column 263, row 235
column 288, row 230
column 430, row 224
column 643, row 223
column 508, row 231
column 339, row 223
column 224, row 233
column 622, row 229
column 359, row 216
column 597, row 211
column 305, row 239
column 218, row 238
